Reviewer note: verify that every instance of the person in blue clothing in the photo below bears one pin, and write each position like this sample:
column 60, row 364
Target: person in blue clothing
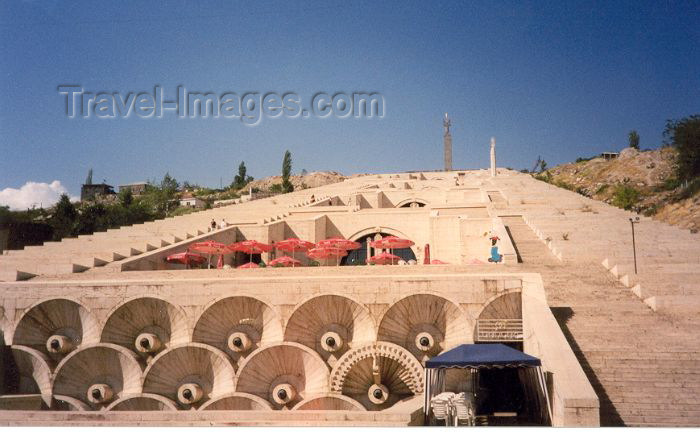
column 495, row 256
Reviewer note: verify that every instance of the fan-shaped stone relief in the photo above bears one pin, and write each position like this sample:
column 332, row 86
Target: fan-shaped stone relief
column 330, row 325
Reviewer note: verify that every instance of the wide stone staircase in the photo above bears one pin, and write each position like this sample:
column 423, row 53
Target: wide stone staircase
column 84, row 252
column 644, row 365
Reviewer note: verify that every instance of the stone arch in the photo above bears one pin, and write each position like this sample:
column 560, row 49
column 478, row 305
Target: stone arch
column 376, row 229
column 381, row 230
column 336, row 402
column 199, row 364
column 507, row 304
column 403, row 203
column 248, row 317
column 142, row 402
column 236, row 401
column 285, row 364
column 146, row 314
column 101, row 363
column 332, row 315
column 32, row 373
column 416, row 316
column 67, row 403
column 356, row 372
column 56, row 316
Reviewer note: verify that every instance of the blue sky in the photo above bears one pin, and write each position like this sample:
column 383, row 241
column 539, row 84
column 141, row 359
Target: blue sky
column 556, row 79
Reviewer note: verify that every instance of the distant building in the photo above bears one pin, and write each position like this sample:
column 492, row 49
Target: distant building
column 136, row 188
column 189, row 200
column 88, row 192
column 609, row 155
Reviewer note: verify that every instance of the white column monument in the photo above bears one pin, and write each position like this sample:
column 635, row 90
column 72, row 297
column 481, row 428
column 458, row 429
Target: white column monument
column 493, row 157
column 447, row 141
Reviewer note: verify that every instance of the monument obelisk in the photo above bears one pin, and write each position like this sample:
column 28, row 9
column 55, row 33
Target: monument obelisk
column 493, row 157
column 447, row 139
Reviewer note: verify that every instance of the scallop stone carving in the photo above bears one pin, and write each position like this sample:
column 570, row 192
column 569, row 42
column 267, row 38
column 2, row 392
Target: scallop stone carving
column 98, row 374
column 238, row 326
column 146, row 325
column 190, row 374
column 425, row 324
column 236, row 401
column 56, row 327
column 330, row 402
column 143, row 402
column 27, row 372
column 377, row 375
column 330, row 325
column 67, row 403
column 284, row 374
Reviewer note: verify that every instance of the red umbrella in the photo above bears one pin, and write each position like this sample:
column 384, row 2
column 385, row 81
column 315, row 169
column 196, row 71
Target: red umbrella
column 294, row 244
column 248, row 265
column 325, row 252
column 210, row 248
column 383, row 258
column 185, row 258
column 284, row 261
column 250, row 247
column 391, row 242
column 340, row 243
column 426, row 257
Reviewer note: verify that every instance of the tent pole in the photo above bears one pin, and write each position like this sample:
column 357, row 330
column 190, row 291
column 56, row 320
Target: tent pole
column 543, row 384
column 427, row 396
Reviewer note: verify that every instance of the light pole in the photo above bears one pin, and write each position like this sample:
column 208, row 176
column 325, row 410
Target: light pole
column 634, row 246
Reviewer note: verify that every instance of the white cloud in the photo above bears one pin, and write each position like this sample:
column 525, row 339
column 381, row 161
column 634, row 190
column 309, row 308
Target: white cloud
column 33, row 194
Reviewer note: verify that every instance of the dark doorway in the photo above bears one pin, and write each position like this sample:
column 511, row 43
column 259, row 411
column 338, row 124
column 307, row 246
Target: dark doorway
column 359, row 256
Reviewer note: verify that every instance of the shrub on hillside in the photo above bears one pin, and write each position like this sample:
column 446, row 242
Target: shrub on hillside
column 625, row 197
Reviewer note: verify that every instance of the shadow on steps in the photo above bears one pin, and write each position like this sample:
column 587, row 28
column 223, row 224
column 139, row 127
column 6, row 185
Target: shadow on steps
column 608, row 413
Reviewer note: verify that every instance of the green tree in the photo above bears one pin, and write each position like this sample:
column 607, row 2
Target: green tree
column 88, row 180
column 633, row 138
column 126, row 197
column 286, row 172
column 241, row 179
column 684, row 135
column 168, row 190
column 64, row 218
column 543, row 166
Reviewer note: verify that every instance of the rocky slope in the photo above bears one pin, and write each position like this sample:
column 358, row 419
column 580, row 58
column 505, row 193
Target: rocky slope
column 312, row 179
column 640, row 181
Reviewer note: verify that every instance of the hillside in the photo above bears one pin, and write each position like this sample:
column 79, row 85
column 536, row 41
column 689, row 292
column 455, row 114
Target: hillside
column 310, row 180
column 640, row 181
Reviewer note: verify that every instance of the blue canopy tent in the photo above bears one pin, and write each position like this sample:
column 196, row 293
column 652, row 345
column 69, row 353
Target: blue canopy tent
column 488, row 356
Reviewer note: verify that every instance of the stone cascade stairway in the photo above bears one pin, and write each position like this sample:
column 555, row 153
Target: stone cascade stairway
column 644, row 366
column 75, row 255
column 582, row 229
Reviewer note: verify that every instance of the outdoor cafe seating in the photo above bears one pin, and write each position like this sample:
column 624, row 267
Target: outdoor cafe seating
column 517, row 372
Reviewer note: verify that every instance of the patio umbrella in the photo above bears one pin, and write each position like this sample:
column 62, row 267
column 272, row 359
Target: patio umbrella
column 340, row 243
column 210, row 248
column 284, row 261
column 391, row 242
column 186, row 258
column 294, row 244
column 248, row 265
column 326, row 252
column 383, row 258
column 250, row 247
column 426, row 257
